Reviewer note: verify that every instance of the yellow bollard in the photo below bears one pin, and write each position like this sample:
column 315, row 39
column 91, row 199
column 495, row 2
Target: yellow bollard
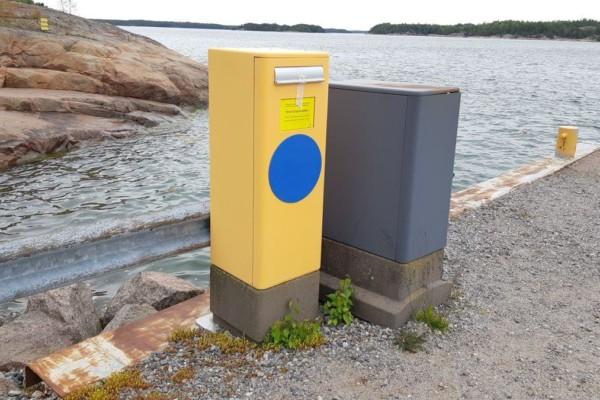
column 44, row 24
column 566, row 142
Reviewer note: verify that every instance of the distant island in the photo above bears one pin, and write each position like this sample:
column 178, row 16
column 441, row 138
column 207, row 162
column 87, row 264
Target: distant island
column 584, row 29
column 244, row 27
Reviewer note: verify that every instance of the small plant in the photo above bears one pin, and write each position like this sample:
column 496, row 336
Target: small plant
column 225, row 342
column 338, row 305
column 111, row 388
column 154, row 395
column 293, row 334
column 434, row 320
column 182, row 335
column 410, row 342
column 184, row 374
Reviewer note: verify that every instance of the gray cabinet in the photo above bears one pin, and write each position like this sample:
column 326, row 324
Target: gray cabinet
column 389, row 167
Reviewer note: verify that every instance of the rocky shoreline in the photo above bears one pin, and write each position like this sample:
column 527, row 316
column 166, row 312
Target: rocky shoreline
column 62, row 317
column 84, row 80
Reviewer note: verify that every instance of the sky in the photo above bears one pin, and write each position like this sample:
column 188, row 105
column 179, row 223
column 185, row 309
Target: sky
column 359, row 15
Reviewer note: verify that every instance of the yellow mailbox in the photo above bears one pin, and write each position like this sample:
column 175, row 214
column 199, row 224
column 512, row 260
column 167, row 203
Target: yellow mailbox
column 268, row 116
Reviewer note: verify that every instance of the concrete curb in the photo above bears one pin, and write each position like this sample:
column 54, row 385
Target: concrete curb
column 485, row 192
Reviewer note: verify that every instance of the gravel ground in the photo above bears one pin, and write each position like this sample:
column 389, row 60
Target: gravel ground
column 525, row 318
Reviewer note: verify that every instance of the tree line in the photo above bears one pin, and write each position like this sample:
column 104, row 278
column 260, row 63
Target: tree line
column 165, row 24
column 200, row 25
column 31, row 2
column 282, row 28
column 67, row 6
column 580, row 29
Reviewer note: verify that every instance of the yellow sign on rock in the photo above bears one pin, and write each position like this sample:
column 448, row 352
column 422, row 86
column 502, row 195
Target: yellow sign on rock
column 292, row 117
column 44, row 24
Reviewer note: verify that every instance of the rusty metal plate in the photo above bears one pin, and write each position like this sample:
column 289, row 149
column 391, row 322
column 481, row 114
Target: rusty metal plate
column 96, row 358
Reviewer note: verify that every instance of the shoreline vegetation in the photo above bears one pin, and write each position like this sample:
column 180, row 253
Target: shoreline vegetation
column 584, row 29
column 309, row 28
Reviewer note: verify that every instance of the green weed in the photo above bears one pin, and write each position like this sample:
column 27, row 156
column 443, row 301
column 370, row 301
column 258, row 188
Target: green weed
column 293, row 334
column 434, row 320
column 338, row 306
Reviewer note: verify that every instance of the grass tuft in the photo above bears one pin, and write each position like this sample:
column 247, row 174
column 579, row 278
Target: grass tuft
column 111, row 387
column 433, row 319
column 225, row 342
column 184, row 374
column 183, row 335
column 294, row 335
column 410, row 342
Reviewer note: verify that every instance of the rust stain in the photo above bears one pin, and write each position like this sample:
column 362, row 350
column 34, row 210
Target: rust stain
column 96, row 358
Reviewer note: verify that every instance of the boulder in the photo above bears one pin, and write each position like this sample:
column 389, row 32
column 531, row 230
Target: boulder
column 90, row 56
column 72, row 306
column 32, row 335
column 87, row 69
column 128, row 314
column 62, row 101
column 157, row 289
column 36, row 123
column 48, row 79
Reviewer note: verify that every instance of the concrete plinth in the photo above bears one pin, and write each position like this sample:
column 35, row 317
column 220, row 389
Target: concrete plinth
column 386, row 293
column 250, row 312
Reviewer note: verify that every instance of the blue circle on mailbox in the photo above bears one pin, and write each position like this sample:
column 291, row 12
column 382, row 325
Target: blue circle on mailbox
column 295, row 168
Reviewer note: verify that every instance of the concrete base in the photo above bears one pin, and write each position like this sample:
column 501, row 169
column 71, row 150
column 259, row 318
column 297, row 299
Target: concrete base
column 251, row 312
column 387, row 293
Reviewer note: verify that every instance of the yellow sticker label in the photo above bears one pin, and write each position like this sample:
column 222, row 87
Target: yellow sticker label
column 292, row 117
column 44, row 24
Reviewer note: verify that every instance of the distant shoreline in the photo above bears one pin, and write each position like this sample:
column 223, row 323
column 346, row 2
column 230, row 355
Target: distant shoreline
column 584, row 29
column 394, row 34
column 306, row 28
column 504, row 37
column 581, row 31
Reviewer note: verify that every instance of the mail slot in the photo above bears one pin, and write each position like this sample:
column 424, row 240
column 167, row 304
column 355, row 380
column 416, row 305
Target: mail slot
column 295, row 75
column 268, row 116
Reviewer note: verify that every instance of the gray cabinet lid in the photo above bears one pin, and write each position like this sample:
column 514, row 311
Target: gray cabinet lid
column 405, row 89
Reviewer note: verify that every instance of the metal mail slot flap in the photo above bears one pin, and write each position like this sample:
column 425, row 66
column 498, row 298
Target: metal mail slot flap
column 291, row 75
